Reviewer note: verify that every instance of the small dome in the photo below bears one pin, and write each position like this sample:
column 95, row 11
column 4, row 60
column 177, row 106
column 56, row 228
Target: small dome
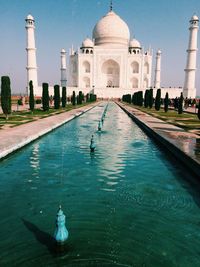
column 159, row 52
column 194, row 17
column 111, row 30
column 30, row 17
column 87, row 43
column 63, row 51
column 134, row 44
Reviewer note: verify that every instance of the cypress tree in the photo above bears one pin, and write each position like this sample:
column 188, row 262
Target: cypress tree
column 140, row 98
column 150, row 98
column 45, row 96
column 198, row 114
column 56, row 96
column 132, row 99
column 158, row 100
column 135, row 98
column 87, row 98
column 180, row 104
column 5, row 95
column 83, row 97
column 78, row 100
column 166, row 102
column 74, row 98
column 64, row 97
column 31, row 97
column 80, row 97
column 146, row 99
column 129, row 98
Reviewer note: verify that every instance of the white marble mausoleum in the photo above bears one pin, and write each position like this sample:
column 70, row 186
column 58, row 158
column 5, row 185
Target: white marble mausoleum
column 110, row 63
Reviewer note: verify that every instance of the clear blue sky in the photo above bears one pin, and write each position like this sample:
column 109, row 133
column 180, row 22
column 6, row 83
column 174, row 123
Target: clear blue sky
column 59, row 23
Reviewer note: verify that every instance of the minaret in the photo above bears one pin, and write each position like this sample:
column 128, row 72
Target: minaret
column 189, row 89
column 157, row 70
column 31, row 53
column 63, row 69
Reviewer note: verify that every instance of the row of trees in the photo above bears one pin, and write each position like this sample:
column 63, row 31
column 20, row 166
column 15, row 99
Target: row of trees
column 80, row 98
column 75, row 100
column 46, row 98
column 58, row 101
column 148, row 101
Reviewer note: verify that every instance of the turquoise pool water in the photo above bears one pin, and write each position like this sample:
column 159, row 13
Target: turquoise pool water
column 125, row 205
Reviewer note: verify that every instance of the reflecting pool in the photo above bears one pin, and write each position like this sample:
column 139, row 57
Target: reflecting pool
column 128, row 204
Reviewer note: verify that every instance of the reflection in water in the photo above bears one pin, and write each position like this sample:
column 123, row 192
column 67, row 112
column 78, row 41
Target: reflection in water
column 115, row 155
column 35, row 160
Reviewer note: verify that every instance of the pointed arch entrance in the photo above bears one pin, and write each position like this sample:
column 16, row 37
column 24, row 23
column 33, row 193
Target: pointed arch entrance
column 110, row 73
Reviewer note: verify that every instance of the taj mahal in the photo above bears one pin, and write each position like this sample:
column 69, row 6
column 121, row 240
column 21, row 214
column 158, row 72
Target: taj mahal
column 111, row 64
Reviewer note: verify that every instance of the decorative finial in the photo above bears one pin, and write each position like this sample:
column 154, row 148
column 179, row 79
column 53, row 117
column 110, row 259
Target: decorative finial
column 61, row 233
column 92, row 144
column 111, row 5
column 99, row 126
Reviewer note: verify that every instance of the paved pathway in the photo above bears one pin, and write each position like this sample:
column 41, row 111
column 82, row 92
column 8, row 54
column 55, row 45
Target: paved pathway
column 185, row 145
column 15, row 138
column 191, row 110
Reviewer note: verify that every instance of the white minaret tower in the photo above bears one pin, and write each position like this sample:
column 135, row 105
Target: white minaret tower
column 31, row 53
column 63, row 69
column 157, row 70
column 189, row 89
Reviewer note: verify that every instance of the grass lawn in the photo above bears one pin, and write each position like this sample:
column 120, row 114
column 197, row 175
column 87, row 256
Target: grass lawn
column 22, row 117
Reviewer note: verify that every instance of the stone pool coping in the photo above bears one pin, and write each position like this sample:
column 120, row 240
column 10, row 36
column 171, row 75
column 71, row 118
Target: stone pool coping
column 14, row 139
column 183, row 145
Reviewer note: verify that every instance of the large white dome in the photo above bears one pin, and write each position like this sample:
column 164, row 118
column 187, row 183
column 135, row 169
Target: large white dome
column 111, row 30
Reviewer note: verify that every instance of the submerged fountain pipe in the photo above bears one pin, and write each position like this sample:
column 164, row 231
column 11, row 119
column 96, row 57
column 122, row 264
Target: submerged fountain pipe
column 92, row 144
column 61, row 234
column 99, row 126
column 104, row 114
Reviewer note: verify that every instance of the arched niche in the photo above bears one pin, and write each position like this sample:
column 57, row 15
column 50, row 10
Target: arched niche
column 86, row 66
column 135, row 67
column 110, row 73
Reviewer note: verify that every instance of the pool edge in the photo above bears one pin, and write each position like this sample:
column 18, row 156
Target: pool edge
column 192, row 165
column 6, row 153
